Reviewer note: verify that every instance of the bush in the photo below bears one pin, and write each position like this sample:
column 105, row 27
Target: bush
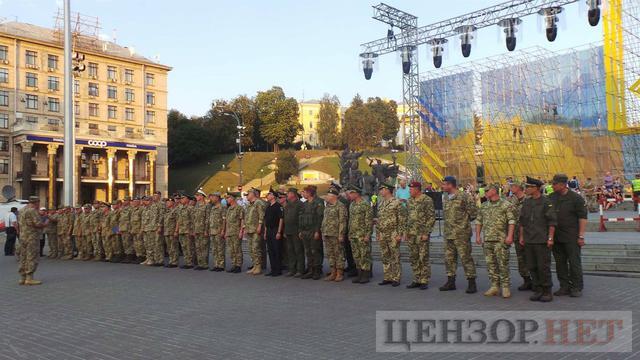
column 287, row 165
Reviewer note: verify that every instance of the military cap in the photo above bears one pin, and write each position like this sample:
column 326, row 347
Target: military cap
column 415, row 184
column 495, row 187
column 560, row 179
column 518, row 184
column 215, row 194
column 355, row 189
column 233, row 194
column 255, row 191
column 282, row 194
column 273, row 192
column 450, row 179
column 43, row 209
column 533, row 182
column 386, row 186
column 127, row 198
column 87, row 205
column 333, row 191
column 336, row 185
column 293, row 190
column 201, row 192
column 34, row 199
column 115, row 202
column 170, row 199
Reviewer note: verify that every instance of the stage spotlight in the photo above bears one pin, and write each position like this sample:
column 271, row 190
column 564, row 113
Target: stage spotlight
column 467, row 34
column 437, row 50
column 510, row 29
column 406, row 55
column 593, row 14
column 368, row 60
column 551, row 20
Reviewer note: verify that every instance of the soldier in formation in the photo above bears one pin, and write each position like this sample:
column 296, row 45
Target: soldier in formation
column 390, row 230
column 333, row 228
column 420, row 221
column 360, row 231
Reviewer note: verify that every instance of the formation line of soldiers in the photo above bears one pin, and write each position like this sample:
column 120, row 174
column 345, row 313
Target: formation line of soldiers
column 298, row 233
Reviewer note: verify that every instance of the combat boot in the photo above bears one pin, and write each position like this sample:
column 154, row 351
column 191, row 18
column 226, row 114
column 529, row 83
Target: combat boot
column 317, row 273
column 67, row 257
column 358, row 277
column 365, row 277
column 493, row 291
column 257, row 269
column 562, row 292
column 22, row 280
column 546, row 295
column 331, row 276
column 308, row 274
column 526, row 285
column 450, row 284
column 30, row 281
column 471, row 287
column 506, row 293
column 537, row 294
column 339, row 275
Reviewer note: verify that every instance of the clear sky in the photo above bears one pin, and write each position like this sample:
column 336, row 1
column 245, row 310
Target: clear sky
column 222, row 48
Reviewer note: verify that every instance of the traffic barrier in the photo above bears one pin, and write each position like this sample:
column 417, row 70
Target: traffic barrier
column 603, row 219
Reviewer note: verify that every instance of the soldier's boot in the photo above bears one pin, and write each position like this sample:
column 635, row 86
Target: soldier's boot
column 317, row 273
column 537, row 294
column 67, row 257
column 546, row 295
column 29, row 280
column 22, row 280
column 450, row 284
column 257, row 269
column 506, row 293
column 357, row 278
column 365, row 277
column 563, row 291
column 471, row 287
column 493, row 291
column 526, row 285
column 331, row 276
column 308, row 274
column 339, row 275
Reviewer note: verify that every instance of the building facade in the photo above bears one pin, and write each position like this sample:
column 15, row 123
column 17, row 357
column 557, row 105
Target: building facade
column 120, row 116
column 308, row 116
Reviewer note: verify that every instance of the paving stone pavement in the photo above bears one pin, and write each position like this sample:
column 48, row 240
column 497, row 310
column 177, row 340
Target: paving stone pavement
column 89, row 310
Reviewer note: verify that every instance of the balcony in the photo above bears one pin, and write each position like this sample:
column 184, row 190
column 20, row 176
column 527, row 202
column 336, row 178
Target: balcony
column 24, row 125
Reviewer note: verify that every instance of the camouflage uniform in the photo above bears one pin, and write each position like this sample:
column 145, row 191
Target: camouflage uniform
column 334, row 226
column 151, row 223
column 136, row 231
column 391, row 224
column 52, row 236
column 421, row 217
column 495, row 218
column 233, row 217
column 309, row 223
column 522, row 263
column 67, row 245
column 361, row 227
column 87, row 234
column 254, row 215
column 95, row 222
column 184, row 221
column 459, row 210
column 116, row 244
column 201, row 240
column 170, row 238
column 105, row 234
column 29, row 254
column 215, row 227
column 590, row 195
column 124, row 224
column 77, row 235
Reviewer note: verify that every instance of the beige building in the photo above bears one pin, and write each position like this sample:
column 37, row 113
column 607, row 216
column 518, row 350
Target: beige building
column 308, row 116
column 120, row 113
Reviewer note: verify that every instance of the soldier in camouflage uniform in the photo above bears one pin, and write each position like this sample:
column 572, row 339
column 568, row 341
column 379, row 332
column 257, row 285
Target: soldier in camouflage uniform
column 334, row 228
column 169, row 231
column 517, row 199
column 77, row 233
column 233, row 232
column 497, row 218
column 201, row 240
column 184, row 225
column 124, row 227
column 52, row 234
column 116, row 243
column 253, row 227
column 65, row 239
column 87, row 235
column 105, row 231
column 309, row 224
column 95, row 222
column 215, row 227
column 151, row 222
column 421, row 213
column 390, row 229
column 360, row 230
column 136, row 231
column 30, row 224
column 459, row 211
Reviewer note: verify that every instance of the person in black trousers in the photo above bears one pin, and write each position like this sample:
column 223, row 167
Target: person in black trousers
column 273, row 222
column 11, row 229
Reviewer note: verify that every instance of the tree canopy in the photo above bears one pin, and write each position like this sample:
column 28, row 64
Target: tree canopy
column 278, row 117
column 329, row 121
column 361, row 129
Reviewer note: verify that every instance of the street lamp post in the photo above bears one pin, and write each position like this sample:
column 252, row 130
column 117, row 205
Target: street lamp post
column 69, row 125
column 240, row 128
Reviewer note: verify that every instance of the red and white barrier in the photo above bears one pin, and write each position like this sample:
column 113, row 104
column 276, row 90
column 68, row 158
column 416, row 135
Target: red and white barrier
column 604, row 220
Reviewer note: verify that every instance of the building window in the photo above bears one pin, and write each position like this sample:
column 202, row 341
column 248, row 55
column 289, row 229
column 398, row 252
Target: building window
column 149, row 79
column 76, row 108
column 129, row 95
column 93, row 109
column 32, row 58
column 32, row 101
column 77, row 125
column 32, row 80
column 4, row 143
column 4, row 76
column 54, row 83
column 112, row 111
column 151, row 98
column 128, row 75
column 128, row 131
column 4, row 166
column 32, row 119
column 4, row 52
column 111, row 128
column 52, row 61
column 112, row 92
column 111, row 72
column 53, row 122
column 4, row 98
column 76, row 86
column 93, row 70
column 128, row 114
column 149, row 132
column 93, row 126
column 93, row 89
column 4, row 121
column 150, row 116
column 54, row 104
column 310, row 125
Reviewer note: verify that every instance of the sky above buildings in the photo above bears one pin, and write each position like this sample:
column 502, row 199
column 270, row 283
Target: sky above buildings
column 222, row 48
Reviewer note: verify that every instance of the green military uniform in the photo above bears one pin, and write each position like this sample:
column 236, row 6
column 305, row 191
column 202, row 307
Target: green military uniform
column 522, row 264
column 184, row 221
column 30, row 224
column 86, row 232
column 95, row 223
column 51, row 230
column 105, row 234
column 124, row 224
column 151, row 223
column 421, row 213
column 254, row 215
column 391, row 224
column 295, row 247
column 201, row 240
column 233, row 217
column 116, row 243
column 570, row 208
column 360, row 229
column 590, row 194
column 170, row 239
column 459, row 210
column 495, row 218
column 136, row 232
column 215, row 228
column 333, row 228
column 77, row 235
column 309, row 222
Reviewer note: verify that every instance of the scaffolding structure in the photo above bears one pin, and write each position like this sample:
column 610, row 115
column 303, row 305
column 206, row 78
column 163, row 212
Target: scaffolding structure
column 85, row 30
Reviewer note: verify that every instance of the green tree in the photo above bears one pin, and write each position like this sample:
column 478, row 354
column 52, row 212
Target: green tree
column 278, row 115
column 220, row 128
column 187, row 142
column 329, row 121
column 287, row 165
column 245, row 107
column 361, row 129
column 386, row 113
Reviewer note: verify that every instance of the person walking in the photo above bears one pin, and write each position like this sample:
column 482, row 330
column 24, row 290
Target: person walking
column 11, row 228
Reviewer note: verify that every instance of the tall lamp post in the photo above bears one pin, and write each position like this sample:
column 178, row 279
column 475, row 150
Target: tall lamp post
column 69, row 136
column 240, row 128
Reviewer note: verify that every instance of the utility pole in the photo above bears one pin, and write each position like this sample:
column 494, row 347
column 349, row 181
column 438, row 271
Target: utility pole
column 69, row 124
